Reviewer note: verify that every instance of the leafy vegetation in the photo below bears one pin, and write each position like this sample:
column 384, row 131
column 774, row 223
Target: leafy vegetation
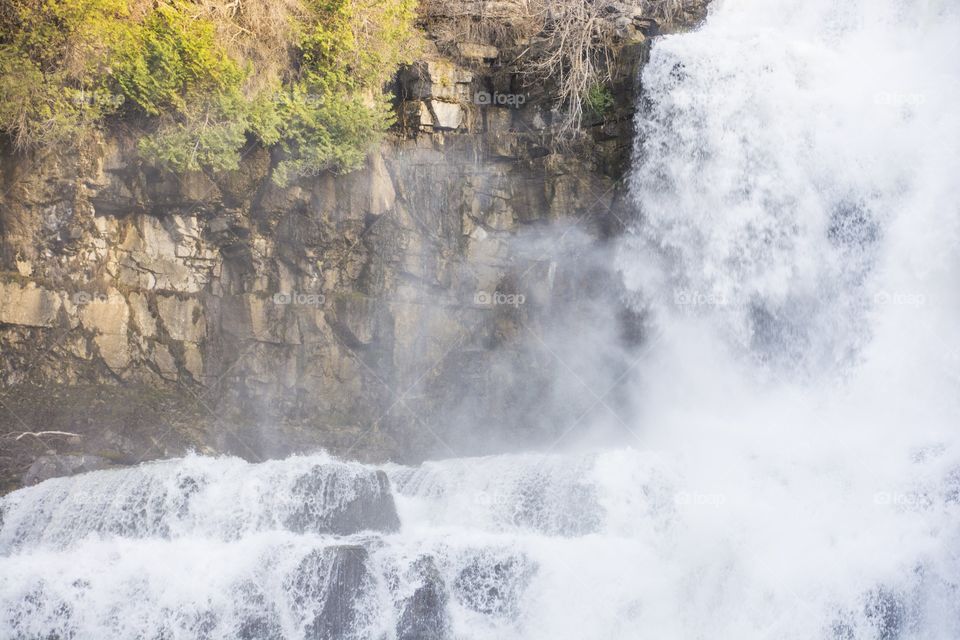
column 52, row 55
column 599, row 99
column 335, row 111
column 206, row 76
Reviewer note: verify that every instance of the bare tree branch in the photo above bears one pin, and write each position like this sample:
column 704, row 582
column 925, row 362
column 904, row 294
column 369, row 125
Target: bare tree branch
column 39, row 435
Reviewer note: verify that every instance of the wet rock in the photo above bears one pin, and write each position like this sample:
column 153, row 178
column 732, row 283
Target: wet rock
column 332, row 585
column 424, row 614
column 342, row 500
column 493, row 584
column 260, row 628
column 56, row 615
column 54, row 466
column 262, row 622
column 888, row 614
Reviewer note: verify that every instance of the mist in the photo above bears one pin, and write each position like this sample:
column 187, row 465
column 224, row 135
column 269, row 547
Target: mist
column 734, row 416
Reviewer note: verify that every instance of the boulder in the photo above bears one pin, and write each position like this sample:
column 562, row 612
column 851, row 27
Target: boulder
column 342, row 500
column 424, row 614
column 492, row 584
column 331, row 585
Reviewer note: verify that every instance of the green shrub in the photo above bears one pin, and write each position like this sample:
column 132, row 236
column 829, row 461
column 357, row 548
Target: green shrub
column 172, row 60
column 332, row 130
column 175, row 69
column 357, row 43
column 53, row 56
column 335, row 111
column 599, row 99
column 67, row 65
column 206, row 135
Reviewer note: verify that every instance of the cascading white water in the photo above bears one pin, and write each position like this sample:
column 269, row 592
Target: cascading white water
column 797, row 252
column 795, row 468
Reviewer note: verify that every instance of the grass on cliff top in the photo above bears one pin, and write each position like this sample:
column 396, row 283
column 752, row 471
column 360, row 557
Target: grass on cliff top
column 203, row 76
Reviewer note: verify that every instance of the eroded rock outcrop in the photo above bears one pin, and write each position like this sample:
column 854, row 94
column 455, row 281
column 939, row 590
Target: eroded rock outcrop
column 373, row 314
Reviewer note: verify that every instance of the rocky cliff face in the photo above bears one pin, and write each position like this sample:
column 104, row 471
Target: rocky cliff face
column 384, row 313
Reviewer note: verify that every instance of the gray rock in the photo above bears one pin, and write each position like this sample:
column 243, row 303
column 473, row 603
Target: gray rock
column 445, row 115
column 493, row 584
column 343, row 500
column 888, row 613
column 333, row 583
column 424, row 615
column 182, row 317
column 263, row 623
column 54, row 466
column 28, row 305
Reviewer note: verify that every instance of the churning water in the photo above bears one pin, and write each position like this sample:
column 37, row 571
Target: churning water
column 794, row 471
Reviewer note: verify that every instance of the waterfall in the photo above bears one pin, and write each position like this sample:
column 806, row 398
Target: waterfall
column 793, row 468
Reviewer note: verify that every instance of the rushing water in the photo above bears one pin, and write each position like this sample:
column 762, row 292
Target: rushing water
column 794, row 471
